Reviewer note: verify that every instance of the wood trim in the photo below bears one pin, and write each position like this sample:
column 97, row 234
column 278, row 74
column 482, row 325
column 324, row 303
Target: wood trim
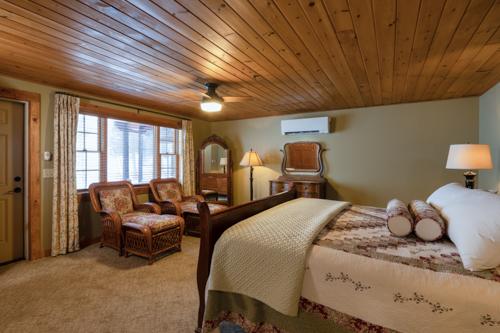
column 102, row 111
column 34, row 178
column 212, row 227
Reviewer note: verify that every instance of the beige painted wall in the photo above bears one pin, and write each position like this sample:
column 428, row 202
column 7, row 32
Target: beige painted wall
column 374, row 153
column 89, row 225
column 489, row 133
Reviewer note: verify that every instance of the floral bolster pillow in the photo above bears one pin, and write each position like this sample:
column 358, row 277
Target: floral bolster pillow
column 399, row 220
column 429, row 226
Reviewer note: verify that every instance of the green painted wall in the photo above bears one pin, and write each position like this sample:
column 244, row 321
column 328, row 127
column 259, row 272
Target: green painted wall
column 373, row 154
column 489, row 133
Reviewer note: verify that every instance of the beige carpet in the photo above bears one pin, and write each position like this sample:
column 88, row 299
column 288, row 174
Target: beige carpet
column 94, row 290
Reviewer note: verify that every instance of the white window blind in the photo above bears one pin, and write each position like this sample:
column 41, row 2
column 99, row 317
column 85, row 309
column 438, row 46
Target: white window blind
column 112, row 150
column 130, row 151
column 168, row 152
column 87, row 151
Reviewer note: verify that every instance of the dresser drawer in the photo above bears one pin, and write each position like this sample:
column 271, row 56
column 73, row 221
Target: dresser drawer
column 306, row 187
column 308, row 195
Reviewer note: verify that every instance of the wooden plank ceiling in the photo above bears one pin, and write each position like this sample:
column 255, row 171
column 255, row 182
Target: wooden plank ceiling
column 288, row 55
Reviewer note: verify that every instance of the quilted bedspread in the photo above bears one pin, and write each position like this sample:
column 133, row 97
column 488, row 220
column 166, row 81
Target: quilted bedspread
column 264, row 256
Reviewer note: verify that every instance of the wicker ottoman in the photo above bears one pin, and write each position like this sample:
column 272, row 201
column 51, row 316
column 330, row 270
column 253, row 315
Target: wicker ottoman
column 148, row 235
column 192, row 216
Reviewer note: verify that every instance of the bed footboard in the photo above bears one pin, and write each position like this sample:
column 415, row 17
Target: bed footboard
column 212, row 227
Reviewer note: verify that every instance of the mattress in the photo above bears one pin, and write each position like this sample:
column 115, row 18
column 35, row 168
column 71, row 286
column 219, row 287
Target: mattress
column 360, row 278
column 358, row 268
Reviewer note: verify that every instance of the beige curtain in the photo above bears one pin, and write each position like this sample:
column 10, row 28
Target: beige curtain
column 187, row 153
column 65, row 204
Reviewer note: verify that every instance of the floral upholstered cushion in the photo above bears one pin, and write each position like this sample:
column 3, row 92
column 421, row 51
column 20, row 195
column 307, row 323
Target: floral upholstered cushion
column 155, row 222
column 117, row 200
column 169, row 191
column 191, row 207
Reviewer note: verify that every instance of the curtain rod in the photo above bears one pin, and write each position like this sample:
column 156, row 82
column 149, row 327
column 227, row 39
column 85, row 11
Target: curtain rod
column 123, row 105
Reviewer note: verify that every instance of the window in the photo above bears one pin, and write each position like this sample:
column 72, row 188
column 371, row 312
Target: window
column 168, row 153
column 87, row 151
column 132, row 151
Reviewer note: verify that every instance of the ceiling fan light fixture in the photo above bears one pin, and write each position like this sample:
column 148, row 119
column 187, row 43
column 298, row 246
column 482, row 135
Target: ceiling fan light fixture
column 211, row 104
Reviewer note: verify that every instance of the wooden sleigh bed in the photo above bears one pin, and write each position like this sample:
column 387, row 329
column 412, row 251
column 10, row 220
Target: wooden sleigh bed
column 358, row 279
column 212, row 227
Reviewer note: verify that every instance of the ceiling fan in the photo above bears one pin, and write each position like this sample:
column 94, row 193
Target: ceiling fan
column 212, row 102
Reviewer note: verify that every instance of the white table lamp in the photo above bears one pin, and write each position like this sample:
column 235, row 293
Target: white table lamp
column 469, row 157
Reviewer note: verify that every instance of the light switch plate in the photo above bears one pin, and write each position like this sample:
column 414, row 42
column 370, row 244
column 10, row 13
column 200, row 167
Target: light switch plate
column 48, row 173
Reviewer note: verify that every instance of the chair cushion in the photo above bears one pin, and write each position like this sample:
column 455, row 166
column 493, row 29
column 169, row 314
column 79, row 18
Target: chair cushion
column 169, row 191
column 118, row 200
column 191, row 207
column 155, row 222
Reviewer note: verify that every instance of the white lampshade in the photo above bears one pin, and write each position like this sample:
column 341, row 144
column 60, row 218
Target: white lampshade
column 223, row 161
column 251, row 158
column 469, row 157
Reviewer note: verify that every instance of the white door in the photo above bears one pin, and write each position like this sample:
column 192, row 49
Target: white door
column 11, row 181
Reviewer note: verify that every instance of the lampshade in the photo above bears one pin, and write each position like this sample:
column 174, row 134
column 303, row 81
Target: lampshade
column 251, row 158
column 469, row 157
column 223, row 161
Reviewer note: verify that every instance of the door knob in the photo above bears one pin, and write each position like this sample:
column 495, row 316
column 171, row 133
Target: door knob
column 15, row 190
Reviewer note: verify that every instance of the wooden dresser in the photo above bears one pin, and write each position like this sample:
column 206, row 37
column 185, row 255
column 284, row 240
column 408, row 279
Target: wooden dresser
column 302, row 166
column 307, row 187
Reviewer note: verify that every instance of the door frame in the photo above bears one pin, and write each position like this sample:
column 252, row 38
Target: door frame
column 32, row 100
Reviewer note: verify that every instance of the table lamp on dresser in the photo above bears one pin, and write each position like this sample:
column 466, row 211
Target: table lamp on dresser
column 469, row 157
column 251, row 159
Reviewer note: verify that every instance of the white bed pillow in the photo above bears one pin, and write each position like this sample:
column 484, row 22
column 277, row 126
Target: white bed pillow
column 445, row 195
column 473, row 218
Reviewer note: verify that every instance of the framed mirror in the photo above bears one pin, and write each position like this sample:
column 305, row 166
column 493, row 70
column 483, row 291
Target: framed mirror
column 302, row 158
column 214, row 159
column 214, row 171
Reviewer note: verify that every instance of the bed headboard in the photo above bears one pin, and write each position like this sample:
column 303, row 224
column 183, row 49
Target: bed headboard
column 212, row 227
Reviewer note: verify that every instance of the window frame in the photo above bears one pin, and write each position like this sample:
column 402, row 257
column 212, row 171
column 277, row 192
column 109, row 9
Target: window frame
column 85, row 151
column 159, row 154
column 104, row 113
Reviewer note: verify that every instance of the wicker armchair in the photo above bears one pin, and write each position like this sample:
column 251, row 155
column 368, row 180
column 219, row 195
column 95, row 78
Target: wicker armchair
column 167, row 193
column 131, row 226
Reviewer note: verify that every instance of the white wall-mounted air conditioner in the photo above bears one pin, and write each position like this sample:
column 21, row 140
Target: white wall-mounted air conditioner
column 318, row 125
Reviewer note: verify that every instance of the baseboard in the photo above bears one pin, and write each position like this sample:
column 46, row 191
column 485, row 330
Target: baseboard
column 83, row 244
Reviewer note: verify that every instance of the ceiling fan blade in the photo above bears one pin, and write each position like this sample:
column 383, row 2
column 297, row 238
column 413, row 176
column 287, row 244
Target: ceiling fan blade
column 233, row 99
